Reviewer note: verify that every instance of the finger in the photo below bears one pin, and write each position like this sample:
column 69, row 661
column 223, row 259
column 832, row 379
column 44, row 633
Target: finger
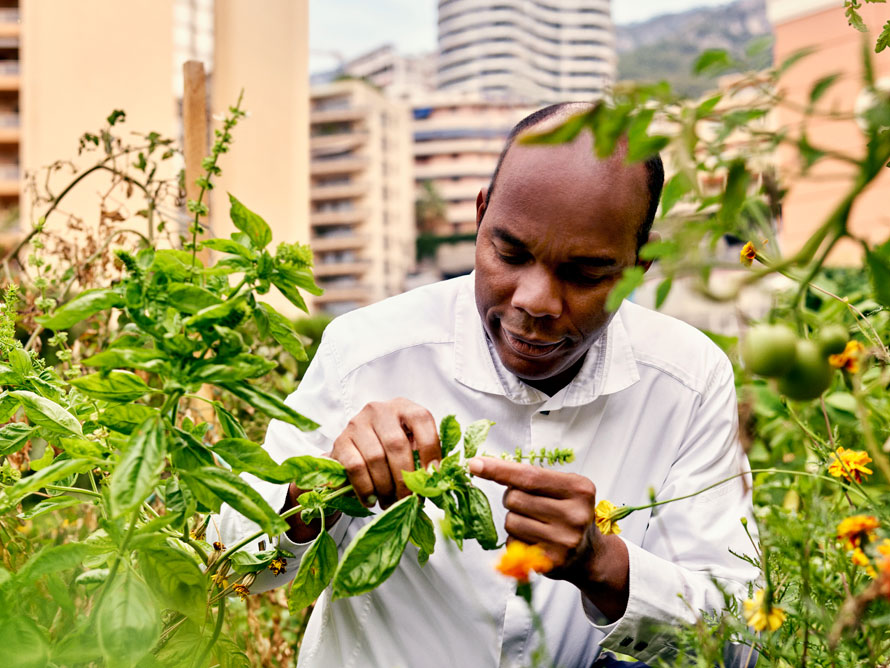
column 546, row 509
column 554, row 538
column 424, row 434
column 533, row 479
column 348, row 454
column 372, row 452
column 398, row 450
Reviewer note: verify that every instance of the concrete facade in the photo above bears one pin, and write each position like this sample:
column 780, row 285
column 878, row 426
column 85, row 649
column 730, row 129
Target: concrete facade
column 532, row 50
column 361, row 194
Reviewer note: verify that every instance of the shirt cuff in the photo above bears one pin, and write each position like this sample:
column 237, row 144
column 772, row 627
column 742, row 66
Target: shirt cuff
column 644, row 631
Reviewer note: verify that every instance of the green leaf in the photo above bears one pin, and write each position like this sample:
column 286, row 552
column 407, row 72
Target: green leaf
column 842, row 401
column 878, row 262
column 82, row 307
column 137, row 474
column 128, row 624
column 218, row 313
column 230, row 246
column 674, row 190
column 374, row 553
column 47, row 414
column 21, row 362
column 8, row 376
column 55, row 559
column 563, row 133
column 49, row 505
column 79, row 646
column 38, row 464
column 706, row 107
column 822, row 85
column 349, row 505
column 630, row 280
column 855, row 20
column 115, row 385
column 228, row 369
column 24, row 643
column 475, row 436
column 244, row 455
column 808, row 153
column 449, row 434
column 252, row 562
column 269, row 404
column 479, row 522
column 883, row 39
column 82, row 448
column 189, row 298
column 250, row 223
column 9, row 406
column 662, row 291
column 60, row 468
column 282, row 331
column 307, row 472
column 317, row 567
column 176, row 581
column 712, row 61
column 229, row 424
column 125, row 417
column 794, row 58
column 420, row 482
column 654, row 250
column 229, row 488
column 177, row 264
column 148, row 359
column 423, row 536
column 14, row 436
column 735, row 193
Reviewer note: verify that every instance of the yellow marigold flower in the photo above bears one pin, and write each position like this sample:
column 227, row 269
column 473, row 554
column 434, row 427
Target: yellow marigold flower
column 241, row 590
column 852, row 530
column 860, row 558
column 747, row 255
column 759, row 617
column 520, row 560
column 850, row 358
column 606, row 520
column 278, row 565
column 850, row 464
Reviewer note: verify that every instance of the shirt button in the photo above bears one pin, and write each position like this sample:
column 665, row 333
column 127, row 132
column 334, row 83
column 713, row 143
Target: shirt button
column 545, row 412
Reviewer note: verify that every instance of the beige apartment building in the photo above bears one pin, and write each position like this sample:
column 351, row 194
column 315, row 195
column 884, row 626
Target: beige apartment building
column 64, row 66
column 532, row 50
column 822, row 24
column 361, row 194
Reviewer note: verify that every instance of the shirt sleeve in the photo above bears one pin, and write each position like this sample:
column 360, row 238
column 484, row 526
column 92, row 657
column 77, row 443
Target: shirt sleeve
column 685, row 562
column 321, row 397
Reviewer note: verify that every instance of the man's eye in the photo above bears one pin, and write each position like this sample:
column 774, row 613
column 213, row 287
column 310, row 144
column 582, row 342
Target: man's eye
column 511, row 258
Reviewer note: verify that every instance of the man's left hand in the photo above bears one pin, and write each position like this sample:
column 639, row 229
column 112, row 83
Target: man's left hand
column 556, row 511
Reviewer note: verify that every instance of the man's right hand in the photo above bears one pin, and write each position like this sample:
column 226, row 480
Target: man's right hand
column 377, row 444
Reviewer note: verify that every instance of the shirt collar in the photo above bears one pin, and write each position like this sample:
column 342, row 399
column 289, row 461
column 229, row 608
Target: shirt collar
column 610, row 365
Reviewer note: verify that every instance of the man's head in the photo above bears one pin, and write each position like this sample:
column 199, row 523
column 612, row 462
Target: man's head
column 556, row 228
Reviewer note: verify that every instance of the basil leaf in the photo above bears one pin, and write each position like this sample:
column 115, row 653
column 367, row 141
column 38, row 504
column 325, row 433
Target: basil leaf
column 125, row 417
column 423, row 535
column 148, row 359
column 139, row 470
column 375, row 551
column 475, row 436
column 176, row 581
column 82, row 307
column 229, row 488
column 229, row 424
column 282, row 331
column 120, row 386
column 317, row 567
column 238, row 367
column 14, row 436
column 128, row 623
column 269, row 404
column 252, row 562
column 229, row 246
column 250, row 223
column 419, row 482
column 188, row 298
column 449, row 434
column 480, row 524
column 47, row 414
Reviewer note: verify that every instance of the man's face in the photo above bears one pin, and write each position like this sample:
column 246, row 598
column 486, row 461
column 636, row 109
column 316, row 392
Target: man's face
column 559, row 230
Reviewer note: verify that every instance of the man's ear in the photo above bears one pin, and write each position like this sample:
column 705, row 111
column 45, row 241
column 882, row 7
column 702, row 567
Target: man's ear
column 645, row 264
column 480, row 205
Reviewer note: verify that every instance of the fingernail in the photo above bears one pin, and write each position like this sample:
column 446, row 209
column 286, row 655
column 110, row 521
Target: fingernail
column 434, row 464
column 475, row 465
column 371, row 500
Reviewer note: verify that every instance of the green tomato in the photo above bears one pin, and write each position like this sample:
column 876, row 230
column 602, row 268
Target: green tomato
column 809, row 376
column 768, row 350
column 832, row 339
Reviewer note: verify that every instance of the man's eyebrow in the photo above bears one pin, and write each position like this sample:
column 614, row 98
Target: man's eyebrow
column 508, row 238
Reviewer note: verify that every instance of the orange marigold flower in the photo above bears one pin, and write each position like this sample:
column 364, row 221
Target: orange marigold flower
column 241, row 590
column 520, row 560
column 278, row 565
column 606, row 518
column 747, row 255
column 852, row 530
column 850, row 358
column 850, row 464
column 760, row 616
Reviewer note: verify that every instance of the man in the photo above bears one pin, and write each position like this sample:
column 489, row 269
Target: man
column 645, row 401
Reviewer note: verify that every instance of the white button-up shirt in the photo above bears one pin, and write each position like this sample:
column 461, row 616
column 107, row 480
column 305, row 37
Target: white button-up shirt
column 652, row 408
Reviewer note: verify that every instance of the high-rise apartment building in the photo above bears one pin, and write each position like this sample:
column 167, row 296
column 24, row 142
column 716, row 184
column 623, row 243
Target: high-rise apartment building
column 361, row 193
column 532, row 50
column 10, row 129
column 398, row 76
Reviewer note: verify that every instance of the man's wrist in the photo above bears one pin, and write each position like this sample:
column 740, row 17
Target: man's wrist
column 606, row 577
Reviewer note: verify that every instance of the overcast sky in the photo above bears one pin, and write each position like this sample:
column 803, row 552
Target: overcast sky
column 348, row 28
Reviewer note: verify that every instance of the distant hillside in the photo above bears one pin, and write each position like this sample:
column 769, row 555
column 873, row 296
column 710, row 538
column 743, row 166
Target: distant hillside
column 665, row 47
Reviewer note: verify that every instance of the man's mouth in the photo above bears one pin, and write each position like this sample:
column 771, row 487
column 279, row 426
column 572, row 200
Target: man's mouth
column 531, row 347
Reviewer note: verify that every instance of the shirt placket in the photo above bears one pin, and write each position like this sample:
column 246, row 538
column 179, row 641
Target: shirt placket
column 545, row 431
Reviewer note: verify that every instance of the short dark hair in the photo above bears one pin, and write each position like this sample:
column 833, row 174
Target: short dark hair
column 654, row 166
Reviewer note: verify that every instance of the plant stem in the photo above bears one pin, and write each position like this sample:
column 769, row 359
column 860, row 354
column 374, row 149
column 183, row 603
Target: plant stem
column 220, row 616
column 73, row 490
column 118, row 558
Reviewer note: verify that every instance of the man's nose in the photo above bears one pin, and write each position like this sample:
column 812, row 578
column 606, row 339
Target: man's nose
column 538, row 294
